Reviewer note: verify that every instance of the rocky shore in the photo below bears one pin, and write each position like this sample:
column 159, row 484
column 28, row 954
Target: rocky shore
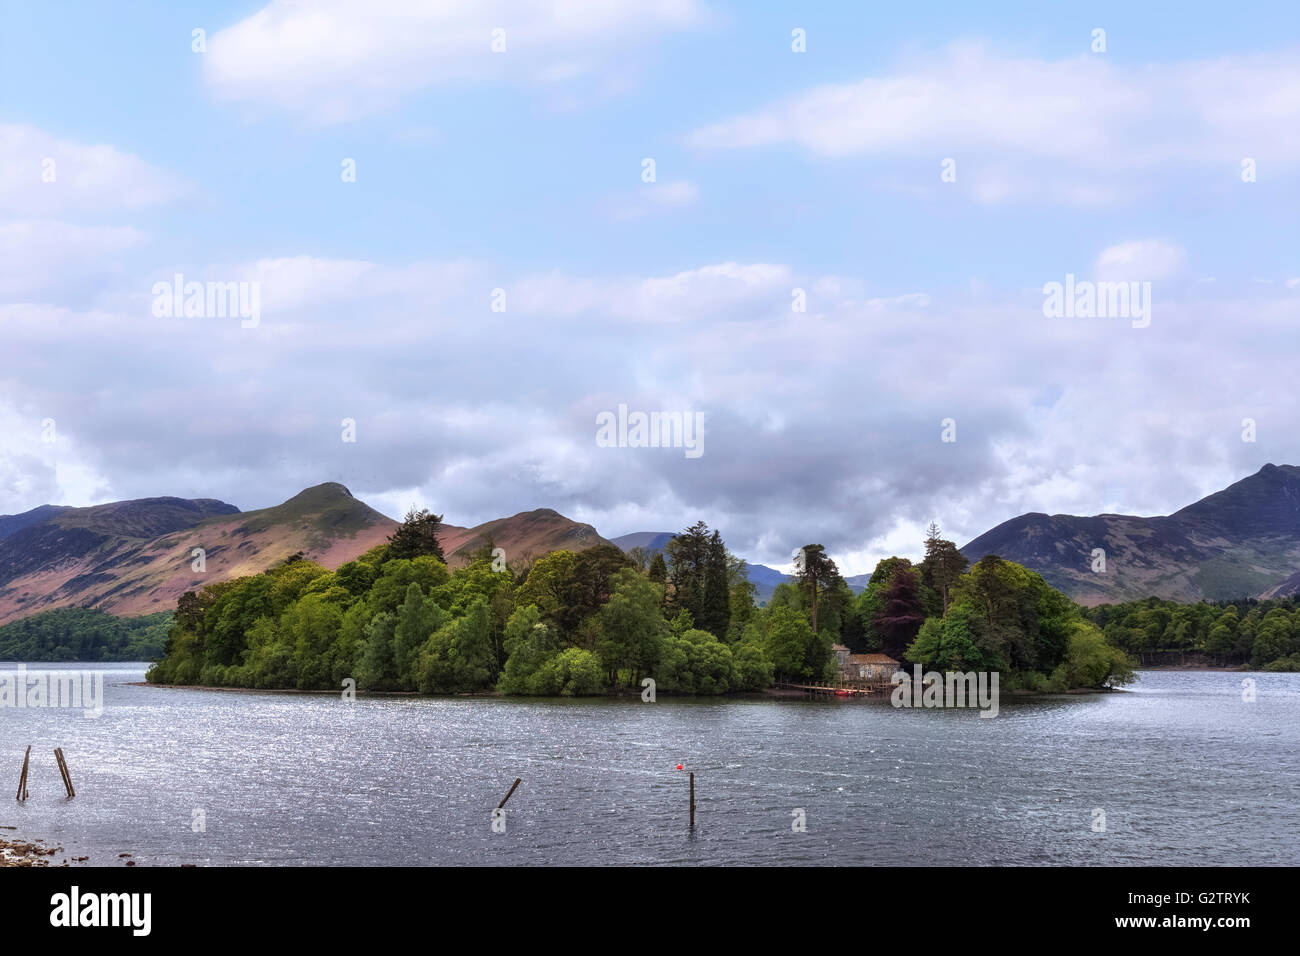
column 15, row 852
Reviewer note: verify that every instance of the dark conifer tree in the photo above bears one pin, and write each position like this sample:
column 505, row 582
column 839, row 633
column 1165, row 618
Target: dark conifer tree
column 416, row 535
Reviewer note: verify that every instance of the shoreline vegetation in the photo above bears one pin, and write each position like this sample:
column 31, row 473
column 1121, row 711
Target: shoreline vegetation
column 682, row 621
column 85, row 635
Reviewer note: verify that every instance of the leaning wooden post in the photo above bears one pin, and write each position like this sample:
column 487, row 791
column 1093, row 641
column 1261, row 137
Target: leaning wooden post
column 63, row 769
column 692, row 798
column 22, row 778
column 518, row 780
column 67, row 774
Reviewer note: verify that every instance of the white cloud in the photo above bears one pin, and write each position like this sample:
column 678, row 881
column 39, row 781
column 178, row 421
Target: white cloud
column 1145, row 260
column 1016, row 126
column 85, row 178
column 650, row 196
column 39, row 257
column 336, row 60
column 821, row 426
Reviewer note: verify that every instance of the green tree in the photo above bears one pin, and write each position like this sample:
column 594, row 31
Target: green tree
column 948, row 643
column 715, row 601
column 658, row 569
column 695, row 662
column 943, row 564
column 417, row 535
column 794, row 649
column 632, row 627
column 815, row 572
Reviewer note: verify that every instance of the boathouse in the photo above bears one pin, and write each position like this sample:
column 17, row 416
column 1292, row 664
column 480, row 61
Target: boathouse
column 873, row 667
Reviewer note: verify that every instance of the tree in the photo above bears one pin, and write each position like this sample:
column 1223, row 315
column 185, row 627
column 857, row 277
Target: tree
column 901, row 615
column 593, row 577
column 943, row 564
column 715, row 603
column 417, row 535
column 458, row 658
column 815, row 571
column 794, row 649
column 658, row 569
column 1091, row 662
column 377, row 670
column 528, row 643
column 947, row 643
column 695, row 662
column 551, row 584
column 417, row 620
column 700, row 574
column 632, row 627
column 687, row 555
column 572, row 672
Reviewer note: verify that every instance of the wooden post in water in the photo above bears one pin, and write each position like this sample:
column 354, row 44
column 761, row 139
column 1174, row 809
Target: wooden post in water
column 518, row 780
column 63, row 769
column 22, row 779
column 692, row 799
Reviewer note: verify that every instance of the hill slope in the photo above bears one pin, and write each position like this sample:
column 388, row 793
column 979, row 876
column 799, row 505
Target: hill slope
column 1242, row 541
column 527, row 534
column 135, row 557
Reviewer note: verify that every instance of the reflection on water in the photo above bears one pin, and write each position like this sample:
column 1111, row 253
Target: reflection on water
column 1184, row 770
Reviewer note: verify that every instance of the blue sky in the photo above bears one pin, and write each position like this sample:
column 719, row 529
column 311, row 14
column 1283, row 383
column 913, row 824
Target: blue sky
column 775, row 170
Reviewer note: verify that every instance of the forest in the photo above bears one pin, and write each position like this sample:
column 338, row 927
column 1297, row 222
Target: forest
column 1261, row 634
column 84, row 634
column 600, row 620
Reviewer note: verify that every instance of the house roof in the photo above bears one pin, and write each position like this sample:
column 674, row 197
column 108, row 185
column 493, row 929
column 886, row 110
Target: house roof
column 872, row 659
column 838, row 647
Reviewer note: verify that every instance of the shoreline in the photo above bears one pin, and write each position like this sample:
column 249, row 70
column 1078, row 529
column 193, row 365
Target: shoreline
column 16, row 851
column 19, row 852
column 769, row 693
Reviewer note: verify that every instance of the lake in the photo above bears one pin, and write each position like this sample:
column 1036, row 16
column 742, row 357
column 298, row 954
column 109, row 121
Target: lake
column 1183, row 769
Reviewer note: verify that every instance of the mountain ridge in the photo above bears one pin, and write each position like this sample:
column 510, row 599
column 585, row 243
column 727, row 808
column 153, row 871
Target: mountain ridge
column 1241, row 541
column 135, row 557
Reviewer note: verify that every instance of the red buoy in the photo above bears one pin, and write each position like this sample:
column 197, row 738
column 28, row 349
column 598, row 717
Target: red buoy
column 679, row 766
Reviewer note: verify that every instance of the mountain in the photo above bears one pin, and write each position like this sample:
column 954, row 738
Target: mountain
column 651, row 541
column 1239, row 542
column 527, row 534
column 765, row 580
column 135, row 557
column 1284, row 589
column 11, row 524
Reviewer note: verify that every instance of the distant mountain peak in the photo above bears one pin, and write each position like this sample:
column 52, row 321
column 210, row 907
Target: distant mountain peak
column 325, row 491
column 1241, row 541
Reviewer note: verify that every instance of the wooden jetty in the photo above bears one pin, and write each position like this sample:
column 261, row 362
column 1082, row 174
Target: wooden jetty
column 846, row 689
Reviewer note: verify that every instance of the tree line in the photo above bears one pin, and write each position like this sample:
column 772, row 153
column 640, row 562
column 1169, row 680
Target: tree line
column 587, row 622
column 1262, row 634
column 84, row 634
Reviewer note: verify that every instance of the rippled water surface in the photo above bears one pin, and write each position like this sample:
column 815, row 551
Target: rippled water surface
column 1184, row 770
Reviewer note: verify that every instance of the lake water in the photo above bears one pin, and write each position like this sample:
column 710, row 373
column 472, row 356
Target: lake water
column 1185, row 771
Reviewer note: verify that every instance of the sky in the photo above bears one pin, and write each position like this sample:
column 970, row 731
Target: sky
column 472, row 228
